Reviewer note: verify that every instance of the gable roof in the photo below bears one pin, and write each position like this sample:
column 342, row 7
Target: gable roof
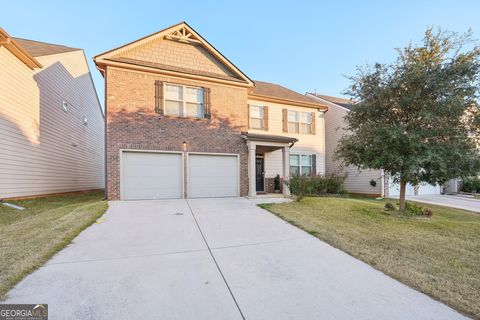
column 346, row 103
column 38, row 48
column 181, row 33
column 271, row 91
column 17, row 50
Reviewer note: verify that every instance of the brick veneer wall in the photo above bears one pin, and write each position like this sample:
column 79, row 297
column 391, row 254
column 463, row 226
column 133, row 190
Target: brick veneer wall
column 270, row 185
column 133, row 124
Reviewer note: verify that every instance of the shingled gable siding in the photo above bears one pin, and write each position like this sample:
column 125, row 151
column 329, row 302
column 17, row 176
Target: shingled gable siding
column 178, row 54
column 133, row 124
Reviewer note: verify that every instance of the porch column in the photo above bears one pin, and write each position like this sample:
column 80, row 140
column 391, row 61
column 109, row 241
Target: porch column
column 252, row 187
column 286, row 169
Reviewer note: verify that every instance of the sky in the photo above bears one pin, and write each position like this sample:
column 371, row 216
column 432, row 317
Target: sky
column 303, row 45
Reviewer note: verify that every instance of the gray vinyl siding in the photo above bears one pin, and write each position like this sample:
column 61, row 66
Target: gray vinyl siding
column 358, row 181
column 42, row 148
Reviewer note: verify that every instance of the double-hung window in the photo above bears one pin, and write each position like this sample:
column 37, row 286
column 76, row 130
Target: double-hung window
column 301, row 164
column 299, row 122
column 257, row 116
column 184, row 101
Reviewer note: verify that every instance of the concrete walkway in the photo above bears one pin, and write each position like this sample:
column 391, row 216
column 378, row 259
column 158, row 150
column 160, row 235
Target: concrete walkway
column 449, row 201
column 213, row 259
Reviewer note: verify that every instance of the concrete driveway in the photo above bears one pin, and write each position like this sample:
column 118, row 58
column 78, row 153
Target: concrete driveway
column 213, row 259
column 459, row 202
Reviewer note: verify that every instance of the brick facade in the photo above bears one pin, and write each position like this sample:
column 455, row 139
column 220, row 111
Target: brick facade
column 133, row 124
column 270, row 185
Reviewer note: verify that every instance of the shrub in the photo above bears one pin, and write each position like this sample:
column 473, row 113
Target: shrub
column 389, row 206
column 335, row 184
column 299, row 185
column 304, row 185
column 413, row 209
column 427, row 212
column 471, row 185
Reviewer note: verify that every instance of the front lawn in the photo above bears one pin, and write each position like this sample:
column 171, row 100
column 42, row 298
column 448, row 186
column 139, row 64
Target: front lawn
column 439, row 256
column 30, row 237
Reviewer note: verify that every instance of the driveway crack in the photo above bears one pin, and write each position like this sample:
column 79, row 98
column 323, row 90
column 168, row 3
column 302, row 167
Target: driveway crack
column 215, row 261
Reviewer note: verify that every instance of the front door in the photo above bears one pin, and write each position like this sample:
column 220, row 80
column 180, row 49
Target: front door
column 259, row 172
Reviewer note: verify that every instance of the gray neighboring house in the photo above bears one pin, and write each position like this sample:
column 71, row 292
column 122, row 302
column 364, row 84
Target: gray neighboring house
column 371, row 182
column 364, row 181
column 51, row 122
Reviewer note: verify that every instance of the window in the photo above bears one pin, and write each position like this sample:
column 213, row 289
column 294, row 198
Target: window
column 299, row 122
column 256, row 117
column 184, row 101
column 301, row 164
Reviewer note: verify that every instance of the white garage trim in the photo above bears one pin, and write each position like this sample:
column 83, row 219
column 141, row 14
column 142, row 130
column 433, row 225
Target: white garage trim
column 187, row 167
column 121, row 166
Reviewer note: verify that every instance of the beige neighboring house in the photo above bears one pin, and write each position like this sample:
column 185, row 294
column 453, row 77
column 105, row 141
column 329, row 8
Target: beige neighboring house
column 51, row 122
column 369, row 182
column 185, row 122
column 372, row 182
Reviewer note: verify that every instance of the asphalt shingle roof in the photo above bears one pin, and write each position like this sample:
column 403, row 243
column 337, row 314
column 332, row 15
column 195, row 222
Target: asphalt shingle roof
column 38, row 48
column 268, row 89
column 346, row 103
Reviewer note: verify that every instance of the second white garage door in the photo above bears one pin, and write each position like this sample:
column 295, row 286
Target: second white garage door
column 212, row 175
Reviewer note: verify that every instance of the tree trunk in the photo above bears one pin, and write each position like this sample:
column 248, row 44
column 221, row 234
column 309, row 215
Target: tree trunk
column 403, row 187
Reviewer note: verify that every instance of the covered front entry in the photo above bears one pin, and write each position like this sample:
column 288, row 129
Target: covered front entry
column 258, row 145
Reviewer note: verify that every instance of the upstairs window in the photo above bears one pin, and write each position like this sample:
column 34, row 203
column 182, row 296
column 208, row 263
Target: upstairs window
column 184, row 101
column 299, row 122
column 258, row 117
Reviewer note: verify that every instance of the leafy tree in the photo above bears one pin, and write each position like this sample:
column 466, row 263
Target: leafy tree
column 417, row 118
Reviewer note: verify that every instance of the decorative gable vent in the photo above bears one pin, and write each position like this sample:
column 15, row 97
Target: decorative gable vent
column 182, row 35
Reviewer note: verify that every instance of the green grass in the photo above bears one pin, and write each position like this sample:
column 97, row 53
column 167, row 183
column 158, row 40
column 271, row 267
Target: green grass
column 439, row 256
column 30, row 237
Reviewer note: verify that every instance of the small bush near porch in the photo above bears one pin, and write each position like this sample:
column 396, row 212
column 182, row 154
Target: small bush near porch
column 439, row 256
column 30, row 237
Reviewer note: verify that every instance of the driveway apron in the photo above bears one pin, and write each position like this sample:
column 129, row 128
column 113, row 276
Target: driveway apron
column 219, row 258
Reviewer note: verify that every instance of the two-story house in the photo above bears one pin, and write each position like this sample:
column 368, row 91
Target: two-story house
column 182, row 121
column 51, row 121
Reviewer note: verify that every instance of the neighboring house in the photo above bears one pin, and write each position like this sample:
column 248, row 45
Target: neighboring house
column 357, row 181
column 183, row 121
column 51, row 122
column 372, row 182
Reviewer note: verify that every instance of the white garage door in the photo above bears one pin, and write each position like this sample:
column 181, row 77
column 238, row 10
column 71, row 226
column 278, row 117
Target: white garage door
column 423, row 189
column 212, row 176
column 148, row 175
column 426, row 188
column 394, row 189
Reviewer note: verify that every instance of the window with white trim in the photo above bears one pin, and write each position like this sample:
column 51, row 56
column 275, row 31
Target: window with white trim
column 184, row 101
column 299, row 122
column 257, row 115
column 301, row 164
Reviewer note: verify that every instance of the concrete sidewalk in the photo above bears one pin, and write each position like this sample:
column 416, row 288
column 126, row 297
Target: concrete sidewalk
column 213, row 259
